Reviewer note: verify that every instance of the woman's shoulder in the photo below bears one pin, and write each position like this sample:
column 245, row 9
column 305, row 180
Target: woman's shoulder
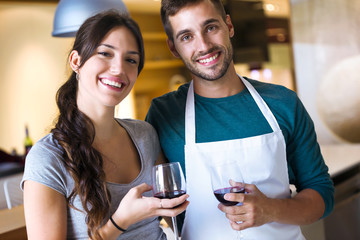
column 47, row 145
column 135, row 124
column 44, row 164
column 138, row 129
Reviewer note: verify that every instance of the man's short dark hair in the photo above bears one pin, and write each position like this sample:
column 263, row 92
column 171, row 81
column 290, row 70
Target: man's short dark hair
column 171, row 7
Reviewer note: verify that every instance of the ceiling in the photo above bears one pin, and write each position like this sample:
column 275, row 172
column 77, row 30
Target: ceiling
column 273, row 8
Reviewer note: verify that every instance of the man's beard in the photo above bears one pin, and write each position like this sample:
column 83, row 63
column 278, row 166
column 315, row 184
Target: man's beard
column 228, row 55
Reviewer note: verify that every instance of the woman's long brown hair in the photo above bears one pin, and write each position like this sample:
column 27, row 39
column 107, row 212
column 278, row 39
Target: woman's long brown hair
column 75, row 131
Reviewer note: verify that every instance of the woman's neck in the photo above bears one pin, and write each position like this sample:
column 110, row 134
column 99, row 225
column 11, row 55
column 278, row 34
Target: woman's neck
column 103, row 120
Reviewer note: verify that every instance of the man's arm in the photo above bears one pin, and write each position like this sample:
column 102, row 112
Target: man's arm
column 257, row 209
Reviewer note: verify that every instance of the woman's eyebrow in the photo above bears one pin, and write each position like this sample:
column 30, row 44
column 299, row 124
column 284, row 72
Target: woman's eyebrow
column 112, row 47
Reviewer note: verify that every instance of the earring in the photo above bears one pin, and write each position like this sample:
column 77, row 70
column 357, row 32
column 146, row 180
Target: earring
column 77, row 76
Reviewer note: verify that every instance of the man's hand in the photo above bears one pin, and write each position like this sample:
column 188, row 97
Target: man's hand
column 254, row 210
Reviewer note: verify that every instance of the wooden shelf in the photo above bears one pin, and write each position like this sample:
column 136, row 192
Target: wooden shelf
column 161, row 64
column 149, row 36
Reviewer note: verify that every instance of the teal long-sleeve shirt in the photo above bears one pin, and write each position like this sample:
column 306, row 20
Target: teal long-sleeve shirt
column 237, row 116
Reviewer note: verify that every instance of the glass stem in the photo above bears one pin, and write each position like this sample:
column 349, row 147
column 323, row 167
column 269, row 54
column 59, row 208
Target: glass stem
column 176, row 233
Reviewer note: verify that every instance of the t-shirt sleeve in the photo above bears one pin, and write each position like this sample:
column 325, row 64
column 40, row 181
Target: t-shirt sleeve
column 43, row 165
column 308, row 168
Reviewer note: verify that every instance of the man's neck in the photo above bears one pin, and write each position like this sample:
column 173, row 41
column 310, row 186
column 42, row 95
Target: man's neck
column 228, row 85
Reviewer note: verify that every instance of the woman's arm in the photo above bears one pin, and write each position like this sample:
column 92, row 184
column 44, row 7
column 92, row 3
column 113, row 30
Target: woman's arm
column 45, row 212
column 134, row 207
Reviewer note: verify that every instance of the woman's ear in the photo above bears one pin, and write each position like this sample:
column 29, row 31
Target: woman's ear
column 74, row 60
column 172, row 48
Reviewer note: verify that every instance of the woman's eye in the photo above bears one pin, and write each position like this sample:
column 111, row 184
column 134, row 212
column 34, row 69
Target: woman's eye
column 105, row 54
column 133, row 61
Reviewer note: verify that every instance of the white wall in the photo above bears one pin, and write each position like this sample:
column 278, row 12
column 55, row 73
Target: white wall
column 32, row 67
column 325, row 32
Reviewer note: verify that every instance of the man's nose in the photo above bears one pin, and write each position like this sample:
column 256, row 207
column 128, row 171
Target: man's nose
column 202, row 44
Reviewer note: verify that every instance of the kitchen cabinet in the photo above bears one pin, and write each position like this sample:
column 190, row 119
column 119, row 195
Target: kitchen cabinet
column 160, row 65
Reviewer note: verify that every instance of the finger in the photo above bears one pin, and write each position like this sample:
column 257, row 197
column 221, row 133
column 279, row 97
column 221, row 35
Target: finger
column 140, row 189
column 172, row 212
column 235, row 183
column 239, row 217
column 227, row 209
column 235, row 197
column 249, row 188
column 239, row 225
column 174, row 202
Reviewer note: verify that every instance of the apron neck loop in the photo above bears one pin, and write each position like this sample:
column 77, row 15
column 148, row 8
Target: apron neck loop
column 190, row 116
column 190, row 111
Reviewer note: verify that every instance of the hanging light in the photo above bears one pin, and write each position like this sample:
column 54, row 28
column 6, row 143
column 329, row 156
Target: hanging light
column 70, row 14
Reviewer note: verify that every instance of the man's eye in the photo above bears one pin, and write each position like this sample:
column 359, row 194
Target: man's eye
column 186, row 38
column 211, row 28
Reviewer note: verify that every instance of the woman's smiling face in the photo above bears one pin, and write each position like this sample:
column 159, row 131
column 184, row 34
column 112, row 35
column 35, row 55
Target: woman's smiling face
column 108, row 76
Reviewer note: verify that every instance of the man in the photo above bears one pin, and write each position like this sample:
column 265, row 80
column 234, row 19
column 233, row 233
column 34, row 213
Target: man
column 261, row 129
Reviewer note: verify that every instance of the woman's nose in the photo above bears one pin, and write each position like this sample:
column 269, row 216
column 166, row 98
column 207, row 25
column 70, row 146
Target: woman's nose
column 115, row 68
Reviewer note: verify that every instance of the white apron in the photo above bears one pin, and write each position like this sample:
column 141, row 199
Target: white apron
column 261, row 161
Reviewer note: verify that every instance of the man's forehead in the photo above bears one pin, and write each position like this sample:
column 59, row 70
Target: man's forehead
column 194, row 15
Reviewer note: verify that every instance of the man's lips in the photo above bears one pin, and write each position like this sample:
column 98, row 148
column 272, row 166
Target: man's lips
column 209, row 59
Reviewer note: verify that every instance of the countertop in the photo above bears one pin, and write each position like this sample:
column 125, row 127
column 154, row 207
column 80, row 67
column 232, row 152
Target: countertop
column 12, row 223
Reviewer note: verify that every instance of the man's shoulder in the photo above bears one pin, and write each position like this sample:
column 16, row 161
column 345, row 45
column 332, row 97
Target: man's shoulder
column 172, row 97
column 272, row 91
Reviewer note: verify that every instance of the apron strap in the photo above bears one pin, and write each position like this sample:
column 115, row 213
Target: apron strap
column 190, row 111
column 190, row 116
column 262, row 105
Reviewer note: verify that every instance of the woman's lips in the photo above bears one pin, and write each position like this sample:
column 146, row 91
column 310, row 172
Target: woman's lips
column 113, row 82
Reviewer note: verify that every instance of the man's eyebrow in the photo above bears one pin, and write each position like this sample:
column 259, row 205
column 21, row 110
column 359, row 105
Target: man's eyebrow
column 182, row 32
column 211, row 20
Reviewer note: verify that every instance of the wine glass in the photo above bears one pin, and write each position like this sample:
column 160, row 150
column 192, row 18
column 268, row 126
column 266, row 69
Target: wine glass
column 227, row 178
column 169, row 182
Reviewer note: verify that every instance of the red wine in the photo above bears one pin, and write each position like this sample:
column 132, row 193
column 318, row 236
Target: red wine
column 172, row 194
column 219, row 194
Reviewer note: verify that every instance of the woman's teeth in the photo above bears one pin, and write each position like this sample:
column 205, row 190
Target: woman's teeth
column 111, row 83
column 209, row 59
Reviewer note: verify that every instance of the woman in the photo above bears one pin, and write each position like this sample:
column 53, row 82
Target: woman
column 87, row 178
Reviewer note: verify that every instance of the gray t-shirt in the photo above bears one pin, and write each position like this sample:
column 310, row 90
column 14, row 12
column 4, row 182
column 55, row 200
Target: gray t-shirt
column 44, row 165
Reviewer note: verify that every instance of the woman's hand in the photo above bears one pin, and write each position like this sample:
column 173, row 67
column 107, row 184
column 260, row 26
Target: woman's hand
column 134, row 207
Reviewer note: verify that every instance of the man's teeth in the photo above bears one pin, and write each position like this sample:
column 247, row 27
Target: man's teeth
column 111, row 83
column 209, row 59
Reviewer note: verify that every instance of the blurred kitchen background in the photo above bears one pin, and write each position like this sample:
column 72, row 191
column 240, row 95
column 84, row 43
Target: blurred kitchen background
column 302, row 44
column 309, row 46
